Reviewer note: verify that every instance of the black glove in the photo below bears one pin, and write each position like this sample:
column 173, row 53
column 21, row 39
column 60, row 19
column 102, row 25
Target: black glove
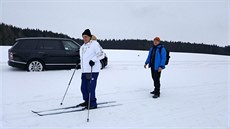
column 91, row 63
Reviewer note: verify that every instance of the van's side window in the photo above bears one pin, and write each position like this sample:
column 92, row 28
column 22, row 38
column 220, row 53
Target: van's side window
column 50, row 45
column 27, row 44
column 70, row 46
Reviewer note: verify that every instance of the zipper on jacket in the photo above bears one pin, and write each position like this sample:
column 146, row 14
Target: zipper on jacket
column 82, row 53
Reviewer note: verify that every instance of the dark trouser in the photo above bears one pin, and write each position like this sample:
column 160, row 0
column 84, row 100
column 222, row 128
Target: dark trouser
column 156, row 78
column 86, row 87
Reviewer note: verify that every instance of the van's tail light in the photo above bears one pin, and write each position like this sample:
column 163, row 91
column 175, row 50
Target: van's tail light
column 11, row 56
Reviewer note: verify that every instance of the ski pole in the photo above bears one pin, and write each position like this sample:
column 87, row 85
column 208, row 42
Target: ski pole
column 69, row 84
column 90, row 83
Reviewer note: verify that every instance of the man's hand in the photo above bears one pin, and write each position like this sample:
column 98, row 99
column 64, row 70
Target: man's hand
column 160, row 69
column 145, row 66
column 91, row 63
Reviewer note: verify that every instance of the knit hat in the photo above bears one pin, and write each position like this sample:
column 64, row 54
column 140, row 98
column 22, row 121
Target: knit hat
column 157, row 39
column 87, row 32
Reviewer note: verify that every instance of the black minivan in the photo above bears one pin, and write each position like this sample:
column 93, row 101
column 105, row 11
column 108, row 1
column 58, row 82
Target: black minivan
column 43, row 53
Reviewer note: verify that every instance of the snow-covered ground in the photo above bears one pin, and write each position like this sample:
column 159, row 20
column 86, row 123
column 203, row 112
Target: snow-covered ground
column 194, row 94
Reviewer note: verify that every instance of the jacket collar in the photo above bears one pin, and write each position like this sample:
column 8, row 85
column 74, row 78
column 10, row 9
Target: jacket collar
column 88, row 44
column 159, row 45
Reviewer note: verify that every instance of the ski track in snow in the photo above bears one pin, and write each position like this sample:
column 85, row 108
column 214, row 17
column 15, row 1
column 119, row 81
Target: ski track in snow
column 194, row 94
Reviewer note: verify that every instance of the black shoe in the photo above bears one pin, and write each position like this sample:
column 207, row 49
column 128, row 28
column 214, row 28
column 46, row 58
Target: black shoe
column 156, row 96
column 153, row 92
column 84, row 104
column 91, row 107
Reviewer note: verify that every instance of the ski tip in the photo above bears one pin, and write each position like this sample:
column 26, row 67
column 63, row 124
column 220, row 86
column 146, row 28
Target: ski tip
column 34, row 111
column 111, row 102
column 39, row 114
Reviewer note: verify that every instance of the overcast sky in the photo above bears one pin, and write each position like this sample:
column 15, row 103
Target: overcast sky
column 201, row 21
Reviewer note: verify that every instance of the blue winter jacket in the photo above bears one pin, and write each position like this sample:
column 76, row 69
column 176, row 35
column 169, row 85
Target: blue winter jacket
column 160, row 58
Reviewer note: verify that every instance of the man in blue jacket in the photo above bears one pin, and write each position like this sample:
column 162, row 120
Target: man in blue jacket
column 156, row 61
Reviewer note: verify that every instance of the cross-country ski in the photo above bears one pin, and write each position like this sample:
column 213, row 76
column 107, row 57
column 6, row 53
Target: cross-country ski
column 73, row 110
column 69, row 107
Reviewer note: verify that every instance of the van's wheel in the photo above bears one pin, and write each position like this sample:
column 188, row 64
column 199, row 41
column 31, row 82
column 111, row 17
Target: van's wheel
column 35, row 66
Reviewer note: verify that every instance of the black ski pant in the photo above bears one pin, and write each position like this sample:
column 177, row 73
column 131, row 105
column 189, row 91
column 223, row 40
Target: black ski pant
column 156, row 78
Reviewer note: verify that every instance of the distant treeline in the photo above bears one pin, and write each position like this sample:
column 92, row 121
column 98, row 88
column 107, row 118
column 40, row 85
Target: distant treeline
column 171, row 46
column 9, row 33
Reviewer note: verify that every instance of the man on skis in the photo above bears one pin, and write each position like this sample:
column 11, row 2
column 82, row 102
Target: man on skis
column 156, row 61
column 90, row 54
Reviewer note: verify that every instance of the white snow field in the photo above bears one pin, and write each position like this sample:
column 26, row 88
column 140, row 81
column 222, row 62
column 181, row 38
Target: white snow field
column 194, row 94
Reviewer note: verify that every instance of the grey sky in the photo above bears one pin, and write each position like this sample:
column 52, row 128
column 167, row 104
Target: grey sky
column 202, row 21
